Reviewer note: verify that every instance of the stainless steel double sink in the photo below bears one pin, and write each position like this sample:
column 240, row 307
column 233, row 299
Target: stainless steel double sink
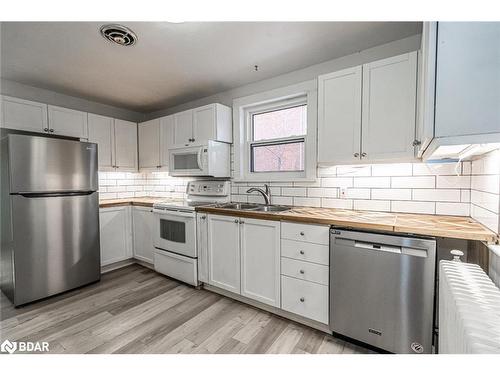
column 254, row 207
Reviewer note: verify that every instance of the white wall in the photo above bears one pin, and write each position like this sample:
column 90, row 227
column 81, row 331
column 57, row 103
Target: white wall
column 36, row 94
column 312, row 72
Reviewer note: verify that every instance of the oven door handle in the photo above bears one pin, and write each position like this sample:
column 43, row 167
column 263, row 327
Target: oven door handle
column 173, row 213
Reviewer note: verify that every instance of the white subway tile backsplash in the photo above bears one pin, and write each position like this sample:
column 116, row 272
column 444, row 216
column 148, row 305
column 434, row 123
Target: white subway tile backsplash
column 437, row 195
column 392, row 194
column 413, row 207
column 424, row 169
column 372, row 182
column 422, row 182
column 487, row 218
column 488, row 201
column 342, row 182
column 372, row 205
column 355, row 170
column 308, row 202
column 355, row 193
column 465, row 196
column 294, row 192
column 392, row 169
column 286, row 201
column 337, row 203
column 487, row 183
column 453, row 182
column 323, row 192
column 454, row 209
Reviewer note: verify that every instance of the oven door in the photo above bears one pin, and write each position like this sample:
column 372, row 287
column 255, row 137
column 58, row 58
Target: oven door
column 188, row 161
column 176, row 231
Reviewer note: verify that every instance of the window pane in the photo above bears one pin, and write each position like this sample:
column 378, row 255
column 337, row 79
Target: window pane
column 280, row 124
column 278, row 157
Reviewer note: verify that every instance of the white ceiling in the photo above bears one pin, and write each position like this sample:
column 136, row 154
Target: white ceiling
column 175, row 63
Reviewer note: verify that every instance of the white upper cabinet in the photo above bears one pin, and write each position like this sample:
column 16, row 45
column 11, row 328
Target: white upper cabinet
column 389, row 105
column 67, row 122
column 468, row 79
column 155, row 139
column 149, row 144
column 198, row 126
column 339, row 116
column 183, row 128
column 101, row 131
column 224, row 252
column 23, row 115
column 125, row 135
column 367, row 113
column 260, row 260
column 166, row 139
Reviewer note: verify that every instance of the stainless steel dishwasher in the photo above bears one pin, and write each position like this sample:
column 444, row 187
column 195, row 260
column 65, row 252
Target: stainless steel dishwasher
column 382, row 289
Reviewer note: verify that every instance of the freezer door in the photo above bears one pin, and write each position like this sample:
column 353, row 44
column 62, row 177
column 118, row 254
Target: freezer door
column 56, row 244
column 41, row 164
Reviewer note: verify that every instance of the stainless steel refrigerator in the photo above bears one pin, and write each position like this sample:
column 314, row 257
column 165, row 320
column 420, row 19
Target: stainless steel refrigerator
column 49, row 216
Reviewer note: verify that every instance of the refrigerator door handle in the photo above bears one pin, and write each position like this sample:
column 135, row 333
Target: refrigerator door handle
column 55, row 194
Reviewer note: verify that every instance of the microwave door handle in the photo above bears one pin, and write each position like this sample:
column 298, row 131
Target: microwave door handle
column 200, row 152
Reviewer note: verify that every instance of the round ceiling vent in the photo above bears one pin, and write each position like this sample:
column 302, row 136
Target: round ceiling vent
column 119, row 34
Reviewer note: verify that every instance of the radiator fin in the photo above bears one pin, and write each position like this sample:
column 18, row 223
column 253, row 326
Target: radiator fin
column 469, row 310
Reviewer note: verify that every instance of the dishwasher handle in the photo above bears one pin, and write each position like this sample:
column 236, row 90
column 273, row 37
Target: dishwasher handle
column 378, row 247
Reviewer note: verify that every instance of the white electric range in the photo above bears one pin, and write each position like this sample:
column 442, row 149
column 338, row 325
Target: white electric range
column 176, row 253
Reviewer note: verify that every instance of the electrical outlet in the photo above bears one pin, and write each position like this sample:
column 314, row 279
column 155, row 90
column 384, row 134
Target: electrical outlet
column 343, row 192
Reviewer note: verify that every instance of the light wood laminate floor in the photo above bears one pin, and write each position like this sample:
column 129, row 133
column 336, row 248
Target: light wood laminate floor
column 135, row 310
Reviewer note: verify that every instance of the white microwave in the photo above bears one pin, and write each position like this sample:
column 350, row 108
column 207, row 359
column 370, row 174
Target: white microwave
column 212, row 160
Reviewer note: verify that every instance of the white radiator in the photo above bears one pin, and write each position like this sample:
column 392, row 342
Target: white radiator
column 469, row 310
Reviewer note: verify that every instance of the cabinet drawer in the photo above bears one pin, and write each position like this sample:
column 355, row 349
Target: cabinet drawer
column 306, row 232
column 305, row 298
column 303, row 270
column 309, row 252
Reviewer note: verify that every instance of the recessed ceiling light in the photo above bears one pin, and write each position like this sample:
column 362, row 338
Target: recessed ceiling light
column 119, row 34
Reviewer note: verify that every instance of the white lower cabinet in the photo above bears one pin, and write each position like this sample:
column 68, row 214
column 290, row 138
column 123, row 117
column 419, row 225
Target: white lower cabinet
column 115, row 234
column 305, row 270
column 244, row 257
column 224, row 252
column 260, row 260
column 305, row 298
column 143, row 224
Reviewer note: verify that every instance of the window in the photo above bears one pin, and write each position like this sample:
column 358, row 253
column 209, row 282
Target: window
column 277, row 143
column 275, row 135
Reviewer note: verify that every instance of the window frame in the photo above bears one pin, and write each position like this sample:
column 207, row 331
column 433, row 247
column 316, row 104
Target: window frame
column 243, row 110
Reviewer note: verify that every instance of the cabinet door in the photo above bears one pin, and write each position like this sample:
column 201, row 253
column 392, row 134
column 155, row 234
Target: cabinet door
column 166, row 139
column 114, row 234
column 224, row 252
column 101, row 132
column 204, row 127
column 23, row 115
column 467, row 78
column 149, row 144
column 339, row 116
column 183, row 128
column 389, row 103
column 202, row 243
column 67, row 122
column 260, row 260
column 143, row 224
column 125, row 145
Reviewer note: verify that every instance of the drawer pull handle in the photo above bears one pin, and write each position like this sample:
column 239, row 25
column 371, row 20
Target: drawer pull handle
column 301, row 271
column 301, row 233
column 236, row 221
column 301, row 252
column 302, row 299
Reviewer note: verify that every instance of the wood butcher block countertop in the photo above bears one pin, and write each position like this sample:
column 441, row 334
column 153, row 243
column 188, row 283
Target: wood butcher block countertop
column 429, row 225
column 143, row 201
